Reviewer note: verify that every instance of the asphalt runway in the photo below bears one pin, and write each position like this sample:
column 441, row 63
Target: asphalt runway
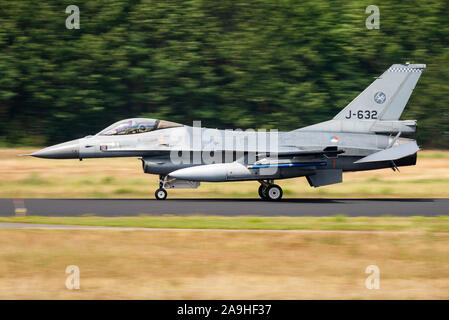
column 225, row 207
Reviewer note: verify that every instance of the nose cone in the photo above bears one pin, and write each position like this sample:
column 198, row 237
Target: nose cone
column 66, row 150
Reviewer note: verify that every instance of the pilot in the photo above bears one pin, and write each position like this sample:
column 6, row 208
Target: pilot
column 142, row 128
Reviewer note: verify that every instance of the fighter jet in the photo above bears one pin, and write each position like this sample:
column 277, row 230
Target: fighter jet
column 365, row 135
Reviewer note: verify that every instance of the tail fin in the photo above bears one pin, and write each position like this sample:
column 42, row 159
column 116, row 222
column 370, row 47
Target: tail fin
column 386, row 97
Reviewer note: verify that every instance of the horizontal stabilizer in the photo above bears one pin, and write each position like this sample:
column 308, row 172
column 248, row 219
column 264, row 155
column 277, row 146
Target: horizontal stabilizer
column 394, row 153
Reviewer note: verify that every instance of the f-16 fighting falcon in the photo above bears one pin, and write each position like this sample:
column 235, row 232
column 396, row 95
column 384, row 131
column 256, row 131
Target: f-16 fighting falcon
column 366, row 135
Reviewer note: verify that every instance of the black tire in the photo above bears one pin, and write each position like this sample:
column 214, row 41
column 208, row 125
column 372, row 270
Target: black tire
column 274, row 192
column 262, row 194
column 160, row 194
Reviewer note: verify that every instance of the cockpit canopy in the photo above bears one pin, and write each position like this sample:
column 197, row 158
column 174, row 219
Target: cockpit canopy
column 138, row 125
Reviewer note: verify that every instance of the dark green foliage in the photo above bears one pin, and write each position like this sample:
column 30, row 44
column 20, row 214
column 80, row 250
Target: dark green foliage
column 230, row 63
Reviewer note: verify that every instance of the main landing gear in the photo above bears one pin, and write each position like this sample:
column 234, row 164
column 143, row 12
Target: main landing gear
column 161, row 193
column 269, row 191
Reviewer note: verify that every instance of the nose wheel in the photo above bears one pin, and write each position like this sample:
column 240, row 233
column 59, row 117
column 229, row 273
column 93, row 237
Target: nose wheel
column 270, row 191
column 161, row 193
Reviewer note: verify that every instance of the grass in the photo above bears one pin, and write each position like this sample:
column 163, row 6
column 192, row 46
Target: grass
column 34, row 180
column 435, row 155
column 339, row 222
column 221, row 265
column 24, row 177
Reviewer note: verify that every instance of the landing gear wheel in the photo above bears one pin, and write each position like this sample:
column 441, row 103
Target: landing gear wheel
column 262, row 192
column 160, row 194
column 273, row 192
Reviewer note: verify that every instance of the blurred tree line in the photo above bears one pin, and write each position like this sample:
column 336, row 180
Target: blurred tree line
column 230, row 63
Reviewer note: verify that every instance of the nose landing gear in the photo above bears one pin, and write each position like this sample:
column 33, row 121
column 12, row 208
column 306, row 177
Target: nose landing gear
column 161, row 193
column 270, row 191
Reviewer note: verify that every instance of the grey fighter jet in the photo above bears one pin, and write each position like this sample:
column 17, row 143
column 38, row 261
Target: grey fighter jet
column 366, row 135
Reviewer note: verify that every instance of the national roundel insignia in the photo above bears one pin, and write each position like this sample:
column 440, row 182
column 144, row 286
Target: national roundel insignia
column 380, row 97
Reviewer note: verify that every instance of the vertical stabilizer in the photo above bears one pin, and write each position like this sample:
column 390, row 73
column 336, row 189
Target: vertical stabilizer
column 386, row 97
